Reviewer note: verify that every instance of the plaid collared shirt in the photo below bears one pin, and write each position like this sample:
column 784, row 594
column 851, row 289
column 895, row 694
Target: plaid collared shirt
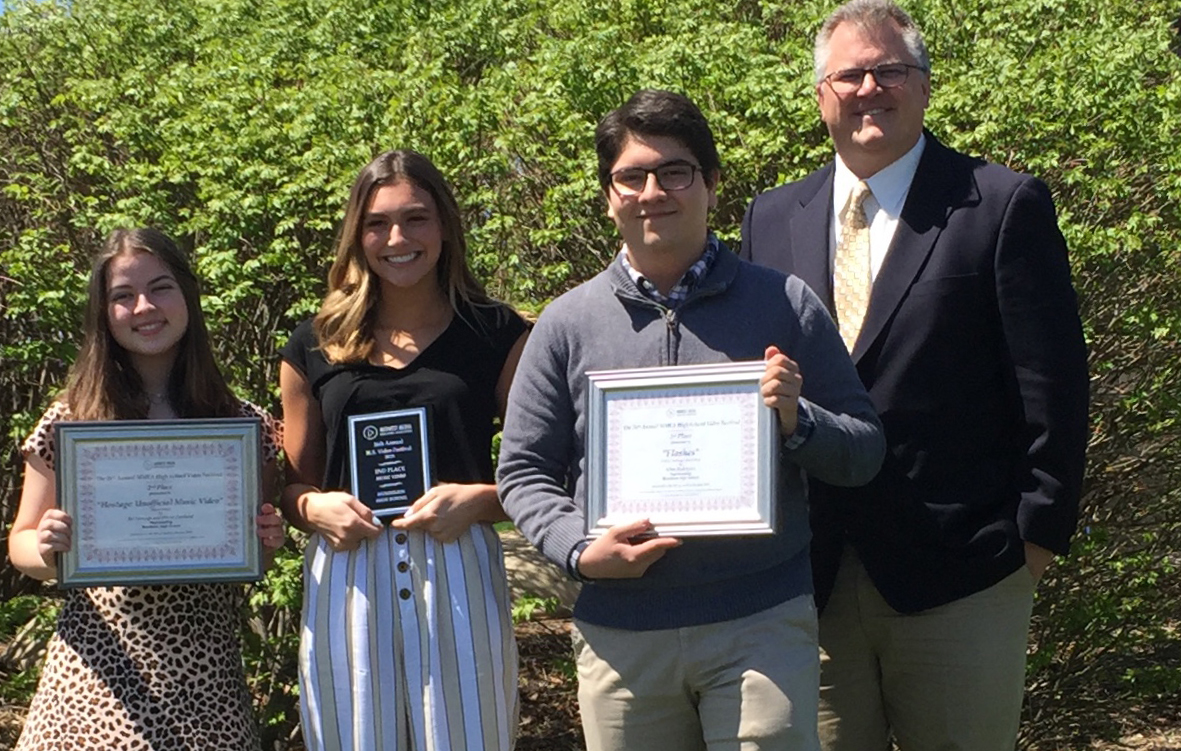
column 681, row 289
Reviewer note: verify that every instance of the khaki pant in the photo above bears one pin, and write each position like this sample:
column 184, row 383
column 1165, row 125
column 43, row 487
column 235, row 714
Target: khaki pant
column 742, row 685
column 946, row 679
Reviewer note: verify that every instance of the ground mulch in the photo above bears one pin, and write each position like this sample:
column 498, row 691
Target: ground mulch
column 11, row 721
column 549, row 704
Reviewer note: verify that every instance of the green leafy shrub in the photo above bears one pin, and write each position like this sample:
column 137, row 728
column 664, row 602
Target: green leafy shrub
column 529, row 607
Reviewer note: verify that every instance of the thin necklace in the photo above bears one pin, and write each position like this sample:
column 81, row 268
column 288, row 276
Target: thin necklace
column 155, row 398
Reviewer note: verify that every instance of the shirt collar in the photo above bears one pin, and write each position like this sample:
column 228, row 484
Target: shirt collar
column 698, row 271
column 889, row 185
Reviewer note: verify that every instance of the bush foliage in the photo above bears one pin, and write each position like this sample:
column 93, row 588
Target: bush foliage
column 237, row 126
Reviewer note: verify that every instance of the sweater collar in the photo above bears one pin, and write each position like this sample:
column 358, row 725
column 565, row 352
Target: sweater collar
column 717, row 278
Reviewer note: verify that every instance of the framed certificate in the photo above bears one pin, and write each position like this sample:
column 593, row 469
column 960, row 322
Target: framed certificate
column 389, row 459
column 691, row 448
column 160, row 501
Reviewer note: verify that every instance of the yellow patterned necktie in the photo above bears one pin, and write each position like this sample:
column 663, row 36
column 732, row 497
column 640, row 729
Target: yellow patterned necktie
column 851, row 279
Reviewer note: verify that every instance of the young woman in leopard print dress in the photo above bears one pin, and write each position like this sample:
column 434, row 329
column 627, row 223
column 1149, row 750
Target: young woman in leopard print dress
column 143, row 668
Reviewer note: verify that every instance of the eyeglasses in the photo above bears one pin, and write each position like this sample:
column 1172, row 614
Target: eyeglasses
column 631, row 181
column 887, row 75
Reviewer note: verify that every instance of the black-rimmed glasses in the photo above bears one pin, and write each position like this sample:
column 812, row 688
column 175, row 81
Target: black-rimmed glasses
column 631, row 181
column 887, row 75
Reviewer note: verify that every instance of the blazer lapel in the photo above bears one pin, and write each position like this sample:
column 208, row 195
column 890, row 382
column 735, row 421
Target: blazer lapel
column 933, row 195
column 809, row 233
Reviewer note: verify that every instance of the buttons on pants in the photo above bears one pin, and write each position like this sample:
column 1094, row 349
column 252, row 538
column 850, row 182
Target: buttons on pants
column 403, row 565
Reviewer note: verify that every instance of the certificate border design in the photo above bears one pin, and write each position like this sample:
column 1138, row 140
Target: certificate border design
column 710, row 384
column 233, row 442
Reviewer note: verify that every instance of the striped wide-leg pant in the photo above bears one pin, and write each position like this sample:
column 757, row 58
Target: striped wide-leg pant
column 407, row 645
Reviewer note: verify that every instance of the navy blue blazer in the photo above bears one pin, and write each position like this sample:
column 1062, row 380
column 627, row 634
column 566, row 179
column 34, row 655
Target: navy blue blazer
column 973, row 354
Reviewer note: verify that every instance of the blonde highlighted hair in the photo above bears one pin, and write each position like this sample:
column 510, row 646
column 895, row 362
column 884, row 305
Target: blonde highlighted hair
column 345, row 324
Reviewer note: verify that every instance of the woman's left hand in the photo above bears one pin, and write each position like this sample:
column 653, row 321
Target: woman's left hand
column 269, row 525
column 447, row 510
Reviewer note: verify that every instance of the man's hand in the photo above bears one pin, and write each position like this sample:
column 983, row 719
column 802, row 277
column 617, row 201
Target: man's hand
column 341, row 519
column 1037, row 560
column 780, row 386
column 616, row 556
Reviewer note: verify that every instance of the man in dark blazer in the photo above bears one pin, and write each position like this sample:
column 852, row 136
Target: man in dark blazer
column 972, row 352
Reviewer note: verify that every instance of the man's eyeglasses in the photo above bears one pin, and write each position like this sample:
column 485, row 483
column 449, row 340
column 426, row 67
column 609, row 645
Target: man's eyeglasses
column 631, row 181
column 887, row 75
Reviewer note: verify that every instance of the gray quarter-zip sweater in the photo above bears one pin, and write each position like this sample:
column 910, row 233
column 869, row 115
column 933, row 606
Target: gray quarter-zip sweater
column 734, row 313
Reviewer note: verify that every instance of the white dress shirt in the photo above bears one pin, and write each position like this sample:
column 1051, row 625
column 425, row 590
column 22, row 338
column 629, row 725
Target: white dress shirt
column 888, row 188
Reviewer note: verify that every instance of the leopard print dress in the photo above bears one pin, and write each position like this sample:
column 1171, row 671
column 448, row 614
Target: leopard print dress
column 144, row 668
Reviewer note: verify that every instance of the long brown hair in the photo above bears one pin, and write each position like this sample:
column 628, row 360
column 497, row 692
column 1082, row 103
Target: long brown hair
column 344, row 326
column 103, row 384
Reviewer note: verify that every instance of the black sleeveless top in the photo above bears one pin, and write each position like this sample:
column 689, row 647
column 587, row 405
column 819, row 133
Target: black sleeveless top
column 454, row 378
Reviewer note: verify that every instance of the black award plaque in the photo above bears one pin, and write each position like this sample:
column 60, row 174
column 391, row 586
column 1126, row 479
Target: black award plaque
column 390, row 459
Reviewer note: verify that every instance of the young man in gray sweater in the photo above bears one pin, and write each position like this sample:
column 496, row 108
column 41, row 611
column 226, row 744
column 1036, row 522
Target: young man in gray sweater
column 707, row 642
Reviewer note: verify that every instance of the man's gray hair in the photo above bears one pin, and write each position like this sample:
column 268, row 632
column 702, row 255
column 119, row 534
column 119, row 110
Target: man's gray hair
column 870, row 16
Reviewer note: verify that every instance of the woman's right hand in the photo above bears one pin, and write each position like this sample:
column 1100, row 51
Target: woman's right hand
column 340, row 518
column 55, row 533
